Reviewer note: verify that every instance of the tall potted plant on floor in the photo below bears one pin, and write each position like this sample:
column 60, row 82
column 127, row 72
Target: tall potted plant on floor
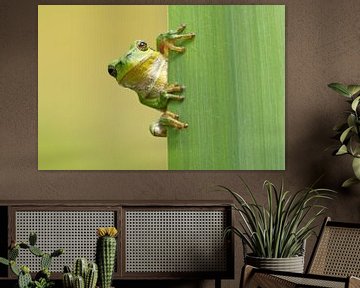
column 348, row 132
column 275, row 234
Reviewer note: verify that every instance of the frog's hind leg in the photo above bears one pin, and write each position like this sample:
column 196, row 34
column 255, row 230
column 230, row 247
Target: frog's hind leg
column 172, row 115
column 167, row 119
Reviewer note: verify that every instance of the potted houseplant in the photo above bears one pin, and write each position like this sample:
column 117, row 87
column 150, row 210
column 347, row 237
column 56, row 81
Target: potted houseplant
column 87, row 274
column 42, row 278
column 84, row 274
column 348, row 132
column 276, row 233
column 106, row 254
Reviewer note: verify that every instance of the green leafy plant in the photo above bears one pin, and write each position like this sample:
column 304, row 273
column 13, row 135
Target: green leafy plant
column 279, row 229
column 349, row 132
column 42, row 278
column 43, row 283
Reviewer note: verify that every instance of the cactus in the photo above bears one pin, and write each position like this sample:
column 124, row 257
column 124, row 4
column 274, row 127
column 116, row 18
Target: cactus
column 36, row 251
column 24, row 280
column 79, row 282
column 32, row 238
column 14, row 268
column 24, row 245
column 4, row 261
column 45, row 261
column 57, row 252
column 91, row 276
column 68, row 280
column 13, row 253
column 67, row 269
column 80, row 267
column 105, row 254
column 88, row 273
column 42, row 278
column 44, row 273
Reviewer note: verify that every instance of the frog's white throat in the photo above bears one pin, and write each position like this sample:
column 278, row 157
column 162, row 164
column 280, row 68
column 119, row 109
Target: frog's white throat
column 150, row 74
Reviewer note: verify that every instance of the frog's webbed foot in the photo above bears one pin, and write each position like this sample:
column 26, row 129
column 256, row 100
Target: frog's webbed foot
column 167, row 119
column 166, row 41
column 171, row 119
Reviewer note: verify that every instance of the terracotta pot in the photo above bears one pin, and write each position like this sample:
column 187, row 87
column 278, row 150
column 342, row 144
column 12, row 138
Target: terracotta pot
column 291, row 264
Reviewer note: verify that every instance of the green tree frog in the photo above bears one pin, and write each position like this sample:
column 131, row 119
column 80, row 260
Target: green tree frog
column 144, row 70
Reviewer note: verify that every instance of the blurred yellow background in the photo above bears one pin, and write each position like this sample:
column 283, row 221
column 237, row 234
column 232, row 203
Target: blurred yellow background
column 86, row 121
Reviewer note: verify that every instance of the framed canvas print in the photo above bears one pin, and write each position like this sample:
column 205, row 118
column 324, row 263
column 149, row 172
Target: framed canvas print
column 114, row 95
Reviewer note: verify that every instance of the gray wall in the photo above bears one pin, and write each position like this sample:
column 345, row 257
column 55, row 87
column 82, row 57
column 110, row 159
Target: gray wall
column 322, row 46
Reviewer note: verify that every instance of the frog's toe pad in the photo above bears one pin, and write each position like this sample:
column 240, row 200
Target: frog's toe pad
column 181, row 28
column 158, row 130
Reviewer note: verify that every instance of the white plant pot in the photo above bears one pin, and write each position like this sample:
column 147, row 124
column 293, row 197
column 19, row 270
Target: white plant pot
column 291, row 264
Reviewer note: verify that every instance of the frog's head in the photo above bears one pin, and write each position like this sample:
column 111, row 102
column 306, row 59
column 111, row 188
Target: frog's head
column 139, row 51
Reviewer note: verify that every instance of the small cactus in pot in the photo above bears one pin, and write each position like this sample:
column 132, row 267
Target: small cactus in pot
column 106, row 254
column 85, row 275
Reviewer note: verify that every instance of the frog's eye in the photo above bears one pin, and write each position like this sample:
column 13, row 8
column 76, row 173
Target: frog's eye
column 142, row 46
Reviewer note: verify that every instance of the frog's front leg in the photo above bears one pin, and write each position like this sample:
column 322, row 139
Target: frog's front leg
column 166, row 41
column 175, row 88
column 165, row 97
